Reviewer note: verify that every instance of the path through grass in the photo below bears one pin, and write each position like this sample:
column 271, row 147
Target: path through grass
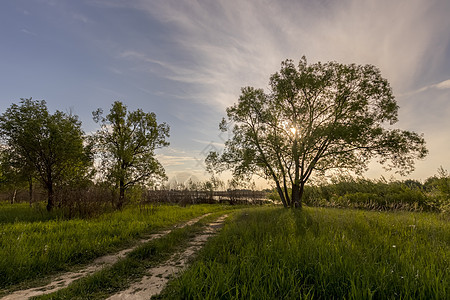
column 30, row 250
column 132, row 268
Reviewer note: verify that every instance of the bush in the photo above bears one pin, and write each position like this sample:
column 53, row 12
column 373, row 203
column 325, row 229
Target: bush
column 372, row 194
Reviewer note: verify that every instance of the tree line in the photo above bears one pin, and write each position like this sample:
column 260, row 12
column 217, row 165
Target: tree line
column 345, row 191
column 53, row 150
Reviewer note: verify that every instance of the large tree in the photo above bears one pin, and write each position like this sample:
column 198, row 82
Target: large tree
column 316, row 117
column 126, row 145
column 46, row 146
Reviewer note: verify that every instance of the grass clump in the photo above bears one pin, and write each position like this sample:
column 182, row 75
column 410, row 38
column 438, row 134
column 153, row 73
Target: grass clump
column 31, row 250
column 322, row 254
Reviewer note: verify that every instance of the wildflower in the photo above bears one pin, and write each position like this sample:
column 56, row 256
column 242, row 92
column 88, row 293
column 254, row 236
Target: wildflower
column 394, row 246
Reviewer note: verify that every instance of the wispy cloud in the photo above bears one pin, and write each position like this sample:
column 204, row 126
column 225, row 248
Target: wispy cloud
column 224, row 45
column 171, row 160
column 171, row 156
column 208, row 50
column 115, row 70
column 443, row 85
column 81, row 18
column 26, row 31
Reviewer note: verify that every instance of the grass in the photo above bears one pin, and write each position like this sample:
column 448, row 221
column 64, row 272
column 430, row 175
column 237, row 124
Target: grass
column 119, row 276
column 22, row 212
column 32, row 250
column 320, row 253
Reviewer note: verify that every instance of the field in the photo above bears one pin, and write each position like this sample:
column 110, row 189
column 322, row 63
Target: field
column 274, row 253
column 35, row 245
column 261, row 253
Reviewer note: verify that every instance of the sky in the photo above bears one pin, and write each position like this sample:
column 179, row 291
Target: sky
column 187, row 60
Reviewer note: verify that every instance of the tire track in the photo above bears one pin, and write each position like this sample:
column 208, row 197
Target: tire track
column 157, row 278
column 63, row 280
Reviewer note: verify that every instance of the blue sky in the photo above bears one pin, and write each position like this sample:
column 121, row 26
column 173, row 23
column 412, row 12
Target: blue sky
column 186, row 60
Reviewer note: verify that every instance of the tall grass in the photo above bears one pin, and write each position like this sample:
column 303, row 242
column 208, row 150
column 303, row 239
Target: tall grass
column 119, row 276
column 29, row 250
column 22, row 212
column 322, row 253
column 380, row 194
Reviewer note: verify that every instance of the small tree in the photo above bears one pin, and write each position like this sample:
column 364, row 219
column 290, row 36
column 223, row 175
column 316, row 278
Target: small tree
column 15, row 174
column 126, row 144
column 212, row 185
column 48, row 147
column 316, row 118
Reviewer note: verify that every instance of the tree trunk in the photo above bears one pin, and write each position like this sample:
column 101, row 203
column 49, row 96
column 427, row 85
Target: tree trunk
column 50, row 201
column 297, row 194
column 281, row 194
column 13, row 198
column 286, row 194
column 30, row 190
column 302, row 189
column 121, row 195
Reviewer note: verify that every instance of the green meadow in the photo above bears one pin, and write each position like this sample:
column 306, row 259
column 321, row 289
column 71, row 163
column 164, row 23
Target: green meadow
column 322, row 253
column 261, row 253
column 34, row 245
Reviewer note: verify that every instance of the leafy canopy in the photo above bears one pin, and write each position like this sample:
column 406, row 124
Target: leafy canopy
column 126, row 144
column 316, row 118
column 46, row 146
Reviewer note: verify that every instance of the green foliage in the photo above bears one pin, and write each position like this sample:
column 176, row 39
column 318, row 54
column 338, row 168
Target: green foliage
column 316, row 118
column 346, row 191
column 321, row 254
column 438, row 189
column 12, row 175
column 47, row 146
column 34, row 247
column 126, row 145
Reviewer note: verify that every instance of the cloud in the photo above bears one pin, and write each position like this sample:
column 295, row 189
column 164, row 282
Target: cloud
column 443, row 85
column 81, row 18
column 207, row 50
column 224, row 45
column 26, row 31
column 115, row 71
column 171, row 156
column 171, row 160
